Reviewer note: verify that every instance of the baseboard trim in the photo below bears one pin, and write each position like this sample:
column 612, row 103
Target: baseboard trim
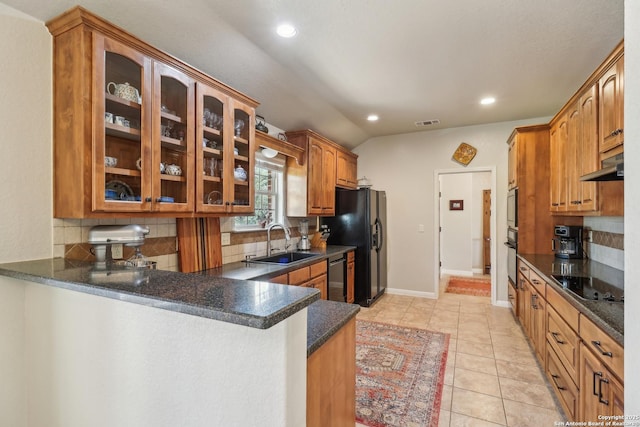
column 464, row 273
column 504, row 304
column 408, row 293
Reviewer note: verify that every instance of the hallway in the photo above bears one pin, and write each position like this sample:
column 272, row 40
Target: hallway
column 492, row 378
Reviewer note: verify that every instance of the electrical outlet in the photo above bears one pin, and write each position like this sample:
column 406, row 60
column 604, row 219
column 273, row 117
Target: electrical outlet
column 116, row 251
column 590, row 236
column 225, row 239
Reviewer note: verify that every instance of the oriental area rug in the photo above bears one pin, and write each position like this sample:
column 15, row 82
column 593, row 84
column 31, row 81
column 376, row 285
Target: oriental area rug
column 399, row 375
column 478, row 286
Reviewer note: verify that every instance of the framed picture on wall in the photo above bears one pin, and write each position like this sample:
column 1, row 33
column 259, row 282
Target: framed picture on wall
column 456, row 205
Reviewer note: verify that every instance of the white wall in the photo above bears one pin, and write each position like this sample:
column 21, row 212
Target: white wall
column 404, row 166
column 631, row 206
column 455, row 244
column 25, row 141
column 100, row 362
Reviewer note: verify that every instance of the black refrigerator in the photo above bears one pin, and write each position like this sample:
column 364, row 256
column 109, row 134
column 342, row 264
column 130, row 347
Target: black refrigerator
column 360, row 220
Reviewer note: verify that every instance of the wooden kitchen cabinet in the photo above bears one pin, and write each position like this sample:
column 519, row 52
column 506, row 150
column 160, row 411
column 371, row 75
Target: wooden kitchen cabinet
column 220, row 150
column 311, row 186
column 331, row 380
column 601, row 392
column 611, row 104
column 589, row 128
column 351, row 276
column 513, row 163
column 557, row 161
column 116, row 96
column 535, row 225
column 313, row 276
column 346, row 169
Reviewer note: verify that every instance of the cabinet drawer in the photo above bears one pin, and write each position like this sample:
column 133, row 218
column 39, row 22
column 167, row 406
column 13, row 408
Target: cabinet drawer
column 523, row 269
column 318, row 268
column 603, row 346
column 565, row 389
column 299, row 276
column 564, row 341
column 538, row 283
column 351, row 256
column 563, row 308
column 282, row 279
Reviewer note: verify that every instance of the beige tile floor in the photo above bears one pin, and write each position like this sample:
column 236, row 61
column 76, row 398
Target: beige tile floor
column 492, row 377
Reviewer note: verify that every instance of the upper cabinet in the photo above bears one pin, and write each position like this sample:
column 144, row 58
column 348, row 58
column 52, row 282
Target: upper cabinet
column 612, row 107
column 311, row 186
column 139, row 132
column 513, row 163
column 346, row 169
column 587, row 130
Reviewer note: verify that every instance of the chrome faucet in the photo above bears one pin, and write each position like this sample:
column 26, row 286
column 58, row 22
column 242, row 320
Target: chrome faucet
column 287, row 236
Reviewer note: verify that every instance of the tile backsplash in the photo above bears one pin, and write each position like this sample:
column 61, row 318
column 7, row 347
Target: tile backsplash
column 607, row 245
column 70, row 238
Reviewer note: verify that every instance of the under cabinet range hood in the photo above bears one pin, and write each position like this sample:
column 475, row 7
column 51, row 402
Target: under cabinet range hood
column 612, row 170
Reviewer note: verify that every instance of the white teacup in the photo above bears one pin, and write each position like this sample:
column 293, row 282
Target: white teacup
column 173, row 170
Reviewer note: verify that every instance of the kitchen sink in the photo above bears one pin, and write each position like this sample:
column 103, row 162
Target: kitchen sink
column 283, row 258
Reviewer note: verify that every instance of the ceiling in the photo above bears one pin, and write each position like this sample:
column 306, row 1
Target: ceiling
column 405, row 60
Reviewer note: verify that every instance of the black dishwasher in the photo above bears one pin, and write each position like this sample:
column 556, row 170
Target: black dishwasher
column 337, row 289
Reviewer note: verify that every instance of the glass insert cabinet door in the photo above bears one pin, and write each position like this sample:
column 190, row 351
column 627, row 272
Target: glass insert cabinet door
column 172, row 159
column 122, row 105
column 224, row 153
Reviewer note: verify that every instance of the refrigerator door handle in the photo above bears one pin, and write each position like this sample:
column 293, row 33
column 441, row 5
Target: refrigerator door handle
column 380, row 234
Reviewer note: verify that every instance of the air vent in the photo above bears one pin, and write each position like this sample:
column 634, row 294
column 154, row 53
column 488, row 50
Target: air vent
column 427, row 123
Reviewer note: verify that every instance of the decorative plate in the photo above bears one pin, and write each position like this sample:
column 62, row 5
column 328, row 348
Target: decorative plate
column 464, row 154
column 122, row 190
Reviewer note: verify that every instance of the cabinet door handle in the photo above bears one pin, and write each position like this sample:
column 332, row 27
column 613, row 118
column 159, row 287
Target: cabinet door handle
column 555, row 337
column 596, row 344
column 600, row 399
column 554, row 377
column 533, row 302
column 148, row 199
column 596, row 374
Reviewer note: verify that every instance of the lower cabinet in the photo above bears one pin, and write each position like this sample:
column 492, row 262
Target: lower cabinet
column 562, row 384
column 331, row 380
column 351, row 276
column 583, row 364
column 602, row 393
column 312, row 276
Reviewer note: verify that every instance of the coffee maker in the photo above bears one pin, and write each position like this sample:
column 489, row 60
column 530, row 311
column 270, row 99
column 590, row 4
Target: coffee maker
column 567, row 242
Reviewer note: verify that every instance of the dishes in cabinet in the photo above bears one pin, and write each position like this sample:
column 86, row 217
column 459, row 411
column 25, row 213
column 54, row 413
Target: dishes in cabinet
column 124, row 91
column 110, row 162
column 214, row 198
column 174, row 170
column 238, row 126
column 240, row 174
column 166, row 199
column 121, row 189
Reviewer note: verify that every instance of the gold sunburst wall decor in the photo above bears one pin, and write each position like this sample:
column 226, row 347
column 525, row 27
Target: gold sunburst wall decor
column 464, row 154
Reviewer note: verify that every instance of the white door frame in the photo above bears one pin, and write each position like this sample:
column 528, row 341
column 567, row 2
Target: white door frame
column 493, row 222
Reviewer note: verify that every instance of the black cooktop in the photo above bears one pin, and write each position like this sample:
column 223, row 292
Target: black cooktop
column 589, row 288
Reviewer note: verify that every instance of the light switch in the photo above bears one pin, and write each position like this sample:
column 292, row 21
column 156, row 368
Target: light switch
column 226, row 239
column 421, row 228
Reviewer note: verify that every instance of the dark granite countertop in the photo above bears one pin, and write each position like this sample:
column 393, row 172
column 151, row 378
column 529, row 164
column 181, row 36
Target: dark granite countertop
column 250, row 303
column 607, row 315
column 252, row 270
column 324, row 319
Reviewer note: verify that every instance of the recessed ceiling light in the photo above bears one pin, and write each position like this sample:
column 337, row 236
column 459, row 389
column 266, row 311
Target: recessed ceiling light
column 373, row 117
column 286, row 30
column 487, row 101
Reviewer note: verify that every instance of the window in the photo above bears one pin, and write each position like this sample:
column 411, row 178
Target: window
column 269, row 194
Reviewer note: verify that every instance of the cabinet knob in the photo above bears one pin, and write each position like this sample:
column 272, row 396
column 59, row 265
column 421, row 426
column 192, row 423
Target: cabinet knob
column 148, row 199
column 158, row 200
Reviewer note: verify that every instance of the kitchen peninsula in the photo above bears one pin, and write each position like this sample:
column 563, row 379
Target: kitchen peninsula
column 147, row 347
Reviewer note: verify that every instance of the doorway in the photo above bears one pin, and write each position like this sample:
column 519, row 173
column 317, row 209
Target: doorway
column 465, row 223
